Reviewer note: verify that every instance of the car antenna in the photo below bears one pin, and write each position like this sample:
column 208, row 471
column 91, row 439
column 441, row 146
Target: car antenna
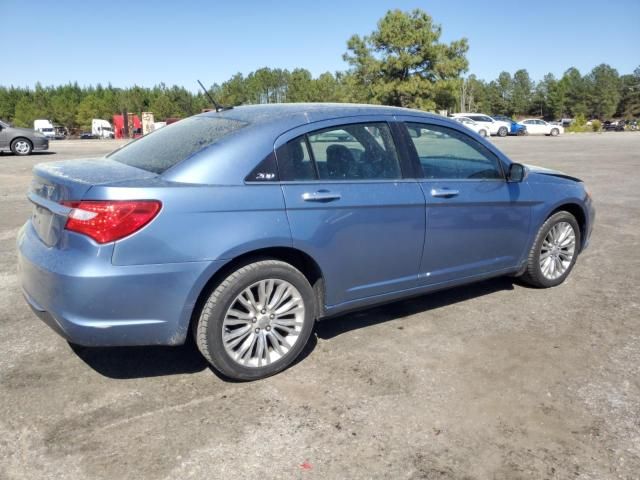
column 219, row 108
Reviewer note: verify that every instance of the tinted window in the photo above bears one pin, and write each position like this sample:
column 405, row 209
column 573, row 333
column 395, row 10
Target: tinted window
column 294, row 161
column 446, row 153
column 355, row 152
column 170, row 145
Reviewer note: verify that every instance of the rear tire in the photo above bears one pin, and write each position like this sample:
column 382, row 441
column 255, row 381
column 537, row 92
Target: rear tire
column 554, row 252
column 502, row 132
column 483, row 133
column 242, row 331
column 21, row 146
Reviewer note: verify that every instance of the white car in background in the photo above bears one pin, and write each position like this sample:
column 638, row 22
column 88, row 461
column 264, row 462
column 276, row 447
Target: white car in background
column 496, row 127
column 480, row 129
column 540, row 127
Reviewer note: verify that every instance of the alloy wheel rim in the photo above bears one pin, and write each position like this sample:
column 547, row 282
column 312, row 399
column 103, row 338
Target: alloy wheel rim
column 557, row 251
column 263, row 323
column 22, row 147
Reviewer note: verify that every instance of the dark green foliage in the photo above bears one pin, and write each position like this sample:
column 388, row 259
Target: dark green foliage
column 403, row 62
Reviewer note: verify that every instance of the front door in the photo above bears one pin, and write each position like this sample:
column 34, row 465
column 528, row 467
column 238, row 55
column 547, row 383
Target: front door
column 476, row 221
column 4, row 137
column 351, row 210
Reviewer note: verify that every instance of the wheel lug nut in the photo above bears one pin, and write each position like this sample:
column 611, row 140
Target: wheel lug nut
column 268, row 328
column 272, row 316
column 263, row 311
column 254, row 320
column 257, row 330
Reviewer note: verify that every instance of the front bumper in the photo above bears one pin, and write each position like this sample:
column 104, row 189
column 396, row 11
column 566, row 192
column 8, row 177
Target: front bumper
column 590, row 221
column 40, row 144
column 90, row 302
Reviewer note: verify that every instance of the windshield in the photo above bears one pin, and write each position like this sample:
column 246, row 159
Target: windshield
column 168, row 146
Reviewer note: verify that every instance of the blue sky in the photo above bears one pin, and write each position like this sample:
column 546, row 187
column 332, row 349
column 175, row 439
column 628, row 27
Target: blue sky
column 148, row 42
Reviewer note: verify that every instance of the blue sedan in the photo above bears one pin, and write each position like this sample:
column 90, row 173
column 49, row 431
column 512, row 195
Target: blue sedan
column 247, row 225
column 516, row 128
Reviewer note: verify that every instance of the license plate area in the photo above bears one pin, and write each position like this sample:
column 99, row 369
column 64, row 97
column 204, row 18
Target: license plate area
column 42, row 220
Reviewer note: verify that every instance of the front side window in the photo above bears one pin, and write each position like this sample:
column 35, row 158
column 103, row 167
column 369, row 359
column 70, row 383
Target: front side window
column 349, row 152
column 445, row 153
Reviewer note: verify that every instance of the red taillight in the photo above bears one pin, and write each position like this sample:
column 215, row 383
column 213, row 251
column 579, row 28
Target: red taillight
column 109, row 220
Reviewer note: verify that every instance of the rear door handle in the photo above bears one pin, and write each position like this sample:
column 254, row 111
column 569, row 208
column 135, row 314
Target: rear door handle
column 444, row 192
column 321, row 196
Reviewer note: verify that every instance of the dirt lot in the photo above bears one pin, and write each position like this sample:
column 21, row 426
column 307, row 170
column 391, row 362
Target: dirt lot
column 494, row 380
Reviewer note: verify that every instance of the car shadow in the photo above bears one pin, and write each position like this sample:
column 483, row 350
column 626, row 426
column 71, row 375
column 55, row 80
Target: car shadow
column 140, row 362
column 32, row 154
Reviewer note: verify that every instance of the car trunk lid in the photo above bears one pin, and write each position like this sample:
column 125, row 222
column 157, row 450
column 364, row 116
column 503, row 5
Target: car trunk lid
column 57, row 182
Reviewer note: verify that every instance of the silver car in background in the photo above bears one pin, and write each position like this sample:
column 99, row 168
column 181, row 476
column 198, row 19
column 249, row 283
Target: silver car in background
column 21, row 141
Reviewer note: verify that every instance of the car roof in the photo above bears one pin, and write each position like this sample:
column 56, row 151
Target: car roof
column 295, row 114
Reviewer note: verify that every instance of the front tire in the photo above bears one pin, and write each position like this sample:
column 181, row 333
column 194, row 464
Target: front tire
column 483, row 133
column 555, row 132
column 502, row 132
column 257, row 321
column 554, row 251
column 21, row 146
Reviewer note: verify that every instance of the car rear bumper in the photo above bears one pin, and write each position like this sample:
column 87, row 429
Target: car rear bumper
column 91, row 302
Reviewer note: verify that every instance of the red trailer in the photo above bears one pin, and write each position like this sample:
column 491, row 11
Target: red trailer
column 133, row 128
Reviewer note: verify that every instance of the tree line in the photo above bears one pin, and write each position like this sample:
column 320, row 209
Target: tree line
column 401, row 63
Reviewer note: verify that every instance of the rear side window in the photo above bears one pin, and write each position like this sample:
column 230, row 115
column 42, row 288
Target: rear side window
column 355, row 152
column 164, row 148
column 446, row 153
column 294, row 161
column 362, row 151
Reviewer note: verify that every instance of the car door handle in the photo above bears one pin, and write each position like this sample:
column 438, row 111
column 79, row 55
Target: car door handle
column 444, row 192
column 321, row 196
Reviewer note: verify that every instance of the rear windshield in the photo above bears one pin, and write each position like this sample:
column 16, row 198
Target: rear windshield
column 170, row 145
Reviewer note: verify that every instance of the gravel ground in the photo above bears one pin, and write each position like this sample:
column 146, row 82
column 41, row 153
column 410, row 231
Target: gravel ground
column 493, row 380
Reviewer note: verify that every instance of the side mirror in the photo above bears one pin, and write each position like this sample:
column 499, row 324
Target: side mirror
column 517, row 172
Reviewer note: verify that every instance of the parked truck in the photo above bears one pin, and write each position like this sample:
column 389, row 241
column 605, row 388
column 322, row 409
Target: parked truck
column 45, row 127
column 101, row 128
column 131, row 128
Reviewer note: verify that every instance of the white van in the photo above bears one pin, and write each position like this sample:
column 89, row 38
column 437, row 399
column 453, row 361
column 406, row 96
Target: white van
column 101, row 128
column 45, row 127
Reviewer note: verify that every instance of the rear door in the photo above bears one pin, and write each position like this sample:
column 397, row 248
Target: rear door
column 350, row 207
column 477, row 222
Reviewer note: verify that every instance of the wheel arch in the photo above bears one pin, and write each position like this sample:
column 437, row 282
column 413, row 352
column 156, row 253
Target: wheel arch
column 15, row 139
column 578, row 212
column 293, row 256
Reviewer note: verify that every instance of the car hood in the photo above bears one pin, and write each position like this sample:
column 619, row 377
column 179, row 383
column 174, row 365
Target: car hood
column 534, row 169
